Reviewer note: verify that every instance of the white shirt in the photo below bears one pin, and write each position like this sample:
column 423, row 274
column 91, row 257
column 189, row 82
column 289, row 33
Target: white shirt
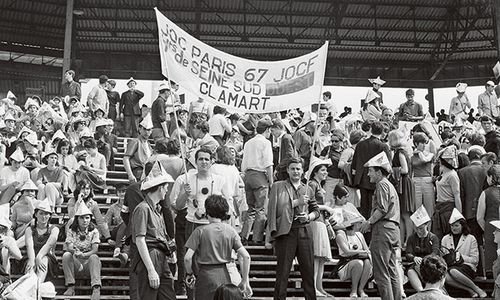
column 8, row 176
column 218, row 124
column 257, row 154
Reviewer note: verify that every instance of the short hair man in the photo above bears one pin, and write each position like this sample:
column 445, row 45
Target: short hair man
column 70, row 88
column 433, row 270
column 487, row 103
column 492, row 136
column 411, row 110
column 98, row 98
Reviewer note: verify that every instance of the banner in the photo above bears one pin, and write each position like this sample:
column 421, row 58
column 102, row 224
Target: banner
column 236, row 83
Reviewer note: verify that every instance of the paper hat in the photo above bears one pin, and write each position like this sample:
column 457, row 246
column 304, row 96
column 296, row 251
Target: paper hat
column 99, row 108
column 377, row 81
column 380, row 160
column 163, row 86
column 11, row 95
column 86, row 133
column 490, row 83
column 5, row 215
column 317, row 162
column 29, row 186
column 461, row 87
column 32, row 138
column 17, row 155
column 477, row 147
column 31, row 102
column 44, row 205
column 130, row 80
column 371, row 95
column 449, row 154
column 420, row 216
column 48, row 152
column 101, row 122
column 47, row 290
column 82, row 209
column 110, row 122
column 147, row 122
column 496, row 224
column 455, row 216
column 79, row 108
column 350, row 218
column 307, row 118
column 9, row 116
column 156, row 176
column 59, row 135
column 23, row 130
column 2, row 110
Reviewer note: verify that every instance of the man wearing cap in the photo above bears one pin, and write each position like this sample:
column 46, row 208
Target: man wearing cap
column 129, row 109
column 487, row 103
column 365, row 150
column 292, row 206
column 158, row 113
column 113, row 98
column 460, row 104
column 138, row 151
column 149, row 234
column 411, row 110
column 70, row 88
column 98, row 98
column 257, row 165
column 384, row 225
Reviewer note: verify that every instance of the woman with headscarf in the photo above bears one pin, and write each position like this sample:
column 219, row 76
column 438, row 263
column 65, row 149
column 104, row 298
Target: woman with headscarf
column 487, row 211
column 447, row 191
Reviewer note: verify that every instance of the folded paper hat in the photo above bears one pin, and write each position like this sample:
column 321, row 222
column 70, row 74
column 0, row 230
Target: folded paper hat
column 86, row 133
column 496, row 224
column 5, row 215
column 156, row 176
column 380, row 160
column 31, row 102
column 59, row 135
column 82, row 210
column 163, row 86
column 17, row 155
column 49, row 151
column 110, row 122
column 449, row 154
column 32, row 138
column 420, row 216
column 130, row 80
column 371, row 95
column 317, row 162
column 461, row 87
column 29, row 186
column 147, row 122
column 101, row 122
column 307, row 118
column 44, row 205
column 455, row 216
column 11, row 95
column 23, row 130
column 350, row 218
column 8, row 116
column 377, row 80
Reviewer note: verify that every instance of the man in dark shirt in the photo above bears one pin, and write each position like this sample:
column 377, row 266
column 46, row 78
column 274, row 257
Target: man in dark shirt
column 411, row 110
column 113, row 99
column 70, row 88
column 158, row 113
column 130, row 112
column 492, row 136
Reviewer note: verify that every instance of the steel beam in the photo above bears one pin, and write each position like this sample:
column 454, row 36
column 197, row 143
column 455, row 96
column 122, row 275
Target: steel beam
column 67, row 37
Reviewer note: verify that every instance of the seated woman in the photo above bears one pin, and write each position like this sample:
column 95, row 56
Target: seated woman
column 356, row 263
column 8, row 246
column 84, row 194
column 51, row 182
column 41, row 241
column 94, row 168
column 82, row 242
column 462, row 267
column 420, row 243
column 214, row 243
column 68, row 162
column 22, row 211
column 433, row 270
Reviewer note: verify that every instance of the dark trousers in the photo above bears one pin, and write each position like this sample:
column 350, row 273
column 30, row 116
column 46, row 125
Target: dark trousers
column 190, row 227
column 256, row 191
column 297, row 243
column 478, row 233
column 131, row 125
column 366, row 202
column 133, row 280
column 166, row 289
column 180, row 240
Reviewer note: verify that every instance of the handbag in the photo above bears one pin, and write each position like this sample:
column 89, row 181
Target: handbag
column 450, row 257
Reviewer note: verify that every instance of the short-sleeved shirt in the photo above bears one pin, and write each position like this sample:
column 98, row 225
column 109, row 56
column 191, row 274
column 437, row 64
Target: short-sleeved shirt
column 447, row 187
column 214, row 243
column 139, row 152
column 412, row 109
column 8, row 176
column 91, row 237
column 257, row 154
column 386, row 200
column 50, row 175
column 147, row 221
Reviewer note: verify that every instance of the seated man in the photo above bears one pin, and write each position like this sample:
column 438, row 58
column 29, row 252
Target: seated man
column 433, row 271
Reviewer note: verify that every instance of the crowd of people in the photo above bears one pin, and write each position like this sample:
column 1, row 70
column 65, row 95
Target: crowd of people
column 203, row 183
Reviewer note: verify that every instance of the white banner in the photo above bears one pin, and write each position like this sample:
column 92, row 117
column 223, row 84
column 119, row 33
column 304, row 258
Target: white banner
column 236, row 83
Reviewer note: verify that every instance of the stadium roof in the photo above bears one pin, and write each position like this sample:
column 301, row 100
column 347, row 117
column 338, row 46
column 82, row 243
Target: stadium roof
column 409, row 43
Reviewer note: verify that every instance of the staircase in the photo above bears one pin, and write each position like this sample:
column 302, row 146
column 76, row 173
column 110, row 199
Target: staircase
column 115, row 283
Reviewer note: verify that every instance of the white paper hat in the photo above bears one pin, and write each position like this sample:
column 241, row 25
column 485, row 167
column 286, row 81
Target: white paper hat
column 156, row 176
column 11, row 95
column 29, row 186
column 32, row 138
column 47, row 290
column 60, row 135
column 377, row 80
column 5, row 215
column 147, row 122
column 44, row 205
column 82, row 209
column 307, row 118
column 23, row 130
column 316, row 162
column 496, row 224
column 31, row 102
column 461, row 87
column 490, row 83
column 455, row 216
column 110, row 122
column 17, row 155
column 131, row 79
column 48, row 152
column 101, row 122
column 350, row 218
column 420, row 216
column 164, row 86
column 9, row 116
column 380, row 160
column 371, row 95
column 86, row 133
